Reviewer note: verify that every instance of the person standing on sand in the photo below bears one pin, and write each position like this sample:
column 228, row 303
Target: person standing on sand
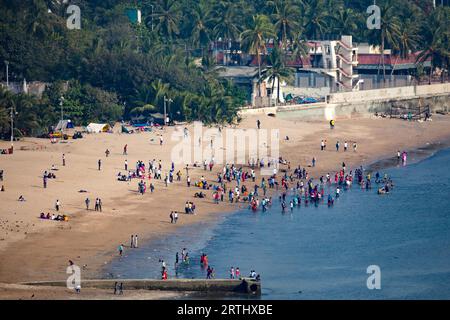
column 398, row 155
column 132, row 241
column 136, row 241
column 107, row 153
column 126, row 165
column 354, row 146
column 57, row 205
column 314, row 161
column 175, row 217
column 125, row 149
column 258, row 124
column 45, row 181
column 99, row 164
column 345, row 146
column 64, row 160
column 87, row 202
column 171, row 216
column 322, row 145
column 120, row 249
column 188, row 181
column 337, row 146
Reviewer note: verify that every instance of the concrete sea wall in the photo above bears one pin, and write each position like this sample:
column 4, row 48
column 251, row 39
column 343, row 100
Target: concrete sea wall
column 365, row 103
column 225, row 286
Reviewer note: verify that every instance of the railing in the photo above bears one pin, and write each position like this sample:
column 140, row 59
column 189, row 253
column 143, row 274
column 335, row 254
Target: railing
column 344, row 45
column 345, row 60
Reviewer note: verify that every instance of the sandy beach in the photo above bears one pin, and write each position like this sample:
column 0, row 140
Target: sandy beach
column 32, row 249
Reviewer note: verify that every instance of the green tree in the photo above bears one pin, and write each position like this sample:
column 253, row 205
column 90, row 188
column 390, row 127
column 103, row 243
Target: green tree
column 276, row 72
column 285, row 17
column 254, row 39
column 168, row 17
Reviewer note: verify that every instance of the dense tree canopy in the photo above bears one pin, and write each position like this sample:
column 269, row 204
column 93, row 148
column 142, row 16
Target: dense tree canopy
column 116, row 69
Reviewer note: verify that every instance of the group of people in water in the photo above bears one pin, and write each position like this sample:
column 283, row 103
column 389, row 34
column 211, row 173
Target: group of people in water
column 184, row 261
column 298, row 184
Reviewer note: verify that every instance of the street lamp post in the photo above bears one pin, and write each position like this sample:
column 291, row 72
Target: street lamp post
column 12, row 125
column 165, row 112
column 12, row 105
column 61, row 101
column 7, row 74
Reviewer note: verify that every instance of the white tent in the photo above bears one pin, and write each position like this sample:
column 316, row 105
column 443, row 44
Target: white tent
column 97, row 127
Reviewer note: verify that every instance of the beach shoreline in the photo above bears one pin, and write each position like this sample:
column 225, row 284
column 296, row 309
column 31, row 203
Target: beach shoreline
column 30, row 259
column 416, row 155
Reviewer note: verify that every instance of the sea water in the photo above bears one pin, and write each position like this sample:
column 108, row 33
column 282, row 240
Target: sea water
column 321, row 252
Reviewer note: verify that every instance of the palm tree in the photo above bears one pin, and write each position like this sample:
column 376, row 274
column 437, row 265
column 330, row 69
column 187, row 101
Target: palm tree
column 254, row 39
column 346, row 21
column 316, row 17
column 407, row 41
column 285, row 17
column 300, row 48
column 436, row 49
column 37, row 18
column 167, row 18
column 223, row 20
column 277, row 71
column 6, row 102
column 159, row 89
column 198, row 20
column 389, row 30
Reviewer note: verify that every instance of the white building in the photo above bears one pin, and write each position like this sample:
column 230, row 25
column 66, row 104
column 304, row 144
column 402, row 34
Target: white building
column 336, row 59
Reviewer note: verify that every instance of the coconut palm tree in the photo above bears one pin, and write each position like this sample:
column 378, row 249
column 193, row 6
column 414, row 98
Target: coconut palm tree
column 316, row 18
column 223, row 21
column 407, row 41
column 37, row 18
column 277, row 70
column 158, row 90
column 436, row 49
column 346, row 21
column 253, row 40
column 198, row 24
column 168, row 18
column 286, row 15
column 389, row 30
column 300, row 48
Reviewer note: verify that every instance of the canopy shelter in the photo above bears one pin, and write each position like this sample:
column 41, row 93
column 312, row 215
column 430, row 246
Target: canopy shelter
column 98, row 127
column 64, row 124
column 157, row 118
